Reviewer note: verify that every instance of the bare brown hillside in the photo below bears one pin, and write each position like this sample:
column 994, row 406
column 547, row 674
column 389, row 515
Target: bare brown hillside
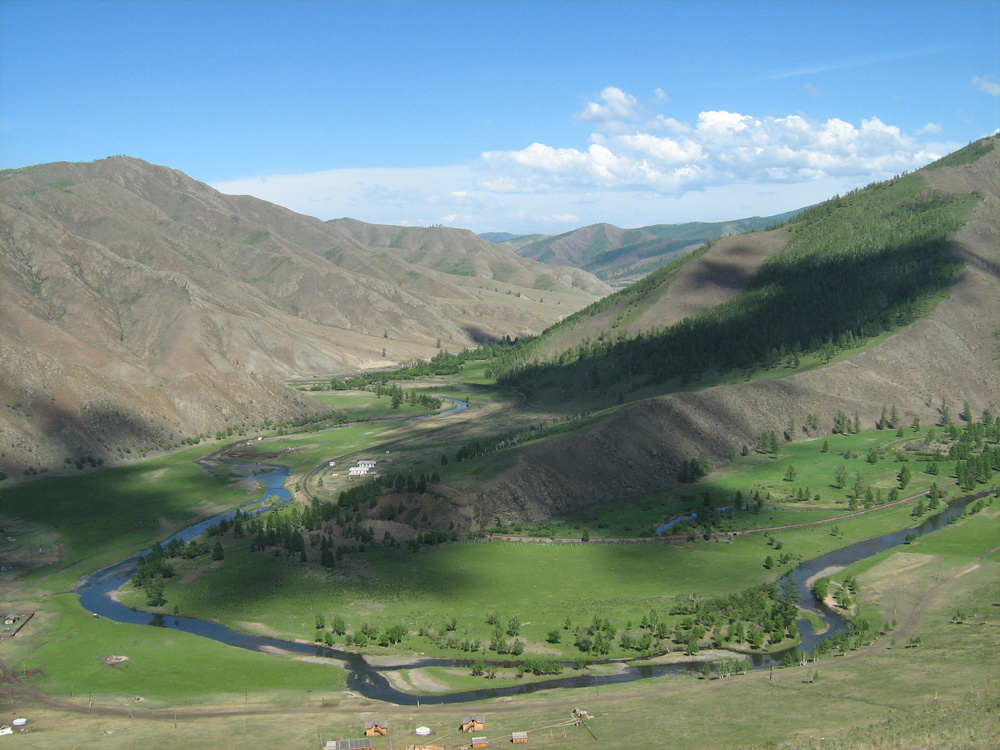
column 716, row 277
column 462, row 253
column 953, row 354
column 139, row 307
column 701, row 283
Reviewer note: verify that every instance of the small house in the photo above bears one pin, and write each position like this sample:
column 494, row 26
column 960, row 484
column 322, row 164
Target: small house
column 581, row 714
column 479, row 742
column 377, row 728
column 362, row 744
column 11, row 619
column 473, row 723
column 367, row 464
column 519, row 738
column 357, row 471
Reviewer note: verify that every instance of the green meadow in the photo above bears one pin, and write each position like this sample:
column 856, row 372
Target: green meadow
column 359, row 406
column 540, row 584
column 163, row 666
column 442, row 596
column 106, row 515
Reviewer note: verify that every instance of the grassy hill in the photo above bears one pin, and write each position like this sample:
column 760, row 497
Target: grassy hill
column 890, row 295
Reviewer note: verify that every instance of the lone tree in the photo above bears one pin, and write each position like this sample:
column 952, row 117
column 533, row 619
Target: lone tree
column 904, row 477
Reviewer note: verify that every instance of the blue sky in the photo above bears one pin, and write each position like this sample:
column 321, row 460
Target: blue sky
column 520, row 116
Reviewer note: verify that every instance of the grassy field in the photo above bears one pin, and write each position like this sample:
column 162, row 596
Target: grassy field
column 942, row 694
column 359, row 406
column 541, row 585
column 104, row 516
column 61, row 650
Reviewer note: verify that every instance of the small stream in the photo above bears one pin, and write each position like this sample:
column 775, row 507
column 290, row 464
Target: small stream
column 96, row 596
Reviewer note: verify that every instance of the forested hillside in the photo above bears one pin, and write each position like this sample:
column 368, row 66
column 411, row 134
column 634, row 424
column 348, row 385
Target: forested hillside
column 887, row 296
column 854, row 267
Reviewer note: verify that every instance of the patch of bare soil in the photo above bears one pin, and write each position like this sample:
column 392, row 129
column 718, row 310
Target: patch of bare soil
column 247, row 484
column 260, row 628
column 680, row 657
column 894, row 574
column 194, row 573
column 420, row 680
column 319, row 660
column 113, row 659
column 716, row 277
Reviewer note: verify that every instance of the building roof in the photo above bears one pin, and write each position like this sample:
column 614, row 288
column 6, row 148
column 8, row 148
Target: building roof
column 362, row 744
column 519, row 735
column 473, row 717
column 376, row 722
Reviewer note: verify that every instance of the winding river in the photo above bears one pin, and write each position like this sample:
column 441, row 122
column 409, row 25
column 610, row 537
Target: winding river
column 96, row 595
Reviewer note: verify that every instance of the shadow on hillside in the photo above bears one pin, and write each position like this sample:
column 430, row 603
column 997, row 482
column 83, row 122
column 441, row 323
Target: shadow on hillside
column 479, row 336
column 98, row 436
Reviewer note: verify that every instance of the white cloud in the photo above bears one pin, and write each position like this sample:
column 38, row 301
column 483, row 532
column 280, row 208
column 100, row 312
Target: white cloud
column 987, row 84
column 617, row 105
column 814, row 91
column 637, row 168
column 721, row 147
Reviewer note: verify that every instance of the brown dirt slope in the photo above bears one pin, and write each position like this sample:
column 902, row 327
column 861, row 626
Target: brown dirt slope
column 701, row 283
column 715, row 277
column 953, row 353
column 138, row 307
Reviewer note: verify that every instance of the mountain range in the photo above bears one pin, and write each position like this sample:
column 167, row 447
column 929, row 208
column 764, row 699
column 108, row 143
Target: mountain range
column 139, row 307
column 623, row 256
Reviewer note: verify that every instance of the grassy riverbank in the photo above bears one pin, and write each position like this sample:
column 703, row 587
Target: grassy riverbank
column 941, row 693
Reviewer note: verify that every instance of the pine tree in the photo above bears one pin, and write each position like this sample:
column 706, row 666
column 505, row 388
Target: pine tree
column 904, row 477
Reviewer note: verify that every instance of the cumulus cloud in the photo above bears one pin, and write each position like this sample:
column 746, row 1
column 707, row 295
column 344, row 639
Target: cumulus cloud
column 987, row 84
column 637, row 150
column 614, row 105
column 635, row 167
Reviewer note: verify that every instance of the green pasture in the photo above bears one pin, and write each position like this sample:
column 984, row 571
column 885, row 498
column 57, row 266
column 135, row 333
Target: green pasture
column 64, row 657
column 954, row 543
column 816, row 470
column 362, row 405
column 106, row 515
column 540, row 584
